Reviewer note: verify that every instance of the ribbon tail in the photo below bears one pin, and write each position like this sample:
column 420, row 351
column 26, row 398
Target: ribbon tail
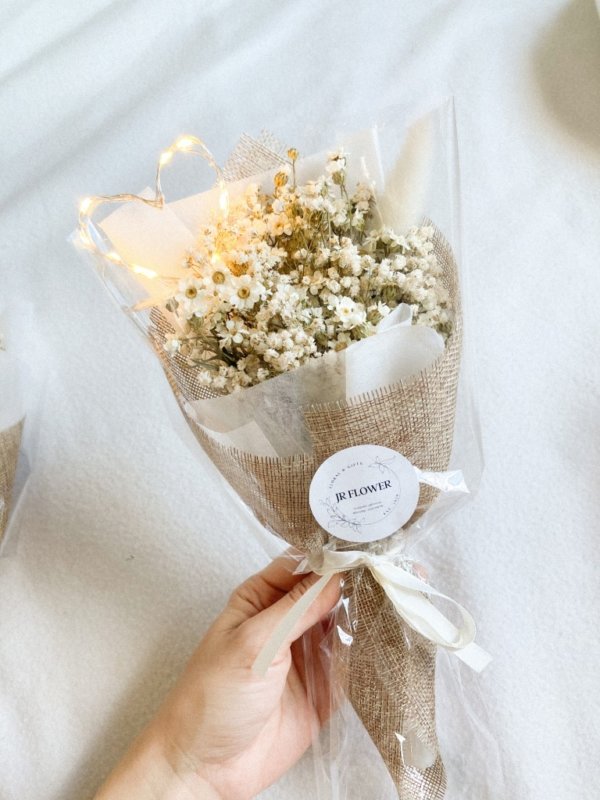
column 409, row 598
column 285, row 627
column 474, row 656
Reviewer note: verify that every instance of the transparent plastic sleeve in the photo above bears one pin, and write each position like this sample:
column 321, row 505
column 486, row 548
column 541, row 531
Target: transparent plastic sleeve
column 401, row 722
column 17, row 432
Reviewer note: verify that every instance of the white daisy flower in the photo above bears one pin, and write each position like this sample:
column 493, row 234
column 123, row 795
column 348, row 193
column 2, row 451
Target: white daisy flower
column 336, row 161
column 243, row 292
column 349, row 313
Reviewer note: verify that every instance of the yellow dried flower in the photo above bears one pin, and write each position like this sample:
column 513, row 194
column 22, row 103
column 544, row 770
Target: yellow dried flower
column 292, row 154
column 237, row 269
column 280, row 179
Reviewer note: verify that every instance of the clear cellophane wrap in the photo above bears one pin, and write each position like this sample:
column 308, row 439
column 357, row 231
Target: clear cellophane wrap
column 388, row 670
column 268, row 441
column 12, row 426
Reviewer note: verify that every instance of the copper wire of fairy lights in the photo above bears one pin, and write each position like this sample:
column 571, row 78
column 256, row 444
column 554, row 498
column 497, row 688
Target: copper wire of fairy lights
column 92, row 239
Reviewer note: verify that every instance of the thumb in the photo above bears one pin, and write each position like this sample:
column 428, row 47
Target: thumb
column 302, row 607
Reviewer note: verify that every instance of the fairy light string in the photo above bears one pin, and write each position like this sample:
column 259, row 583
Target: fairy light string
column 92, row 238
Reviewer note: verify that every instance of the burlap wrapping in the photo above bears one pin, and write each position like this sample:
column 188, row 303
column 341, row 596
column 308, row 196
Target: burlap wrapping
column 10, row 441
column 388, row 672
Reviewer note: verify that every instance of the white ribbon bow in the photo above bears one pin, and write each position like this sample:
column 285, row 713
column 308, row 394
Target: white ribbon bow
column 408, row 595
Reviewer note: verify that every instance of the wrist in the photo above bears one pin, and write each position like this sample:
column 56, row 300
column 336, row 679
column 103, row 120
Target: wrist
column 148, row 773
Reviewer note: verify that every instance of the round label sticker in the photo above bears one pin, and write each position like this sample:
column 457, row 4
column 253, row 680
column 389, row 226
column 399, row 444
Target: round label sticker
column 364, row 493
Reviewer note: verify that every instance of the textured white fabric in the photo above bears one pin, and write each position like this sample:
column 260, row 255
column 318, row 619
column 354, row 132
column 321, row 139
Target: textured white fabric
column 106, row 597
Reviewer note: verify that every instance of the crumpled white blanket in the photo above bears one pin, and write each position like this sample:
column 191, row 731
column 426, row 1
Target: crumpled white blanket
column 120, row 565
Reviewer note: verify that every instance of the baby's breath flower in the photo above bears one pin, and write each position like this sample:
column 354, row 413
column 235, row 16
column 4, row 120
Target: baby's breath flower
column 336, row 161
column 172, row 345
column 290, row 276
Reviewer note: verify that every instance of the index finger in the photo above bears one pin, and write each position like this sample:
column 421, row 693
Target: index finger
column 265, row 588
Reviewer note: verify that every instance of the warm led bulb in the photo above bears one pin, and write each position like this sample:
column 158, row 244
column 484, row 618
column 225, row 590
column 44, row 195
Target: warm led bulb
column 224, row 200
column 184, row 143
column 165, row 157
column 147, row 273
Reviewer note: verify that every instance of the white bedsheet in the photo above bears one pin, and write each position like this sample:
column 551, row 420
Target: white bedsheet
column 121, row 562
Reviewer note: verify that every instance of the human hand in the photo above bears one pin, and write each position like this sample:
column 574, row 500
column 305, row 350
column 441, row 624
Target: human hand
column 225, row 732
